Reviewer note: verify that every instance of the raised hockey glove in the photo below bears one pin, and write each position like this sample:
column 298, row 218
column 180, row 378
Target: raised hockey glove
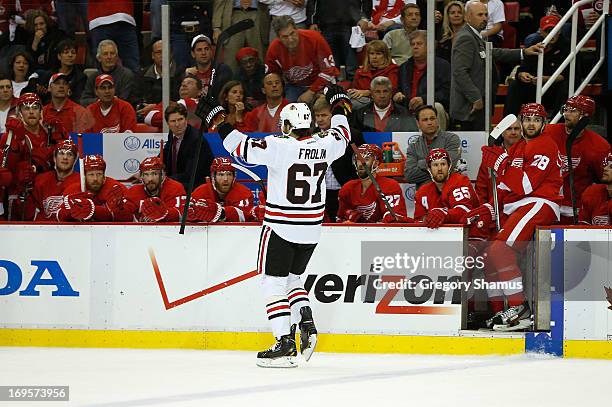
column 15, row 125
column 482, row 216
column 339, row 101
column 353, row 215
column 153, row 210
column 80, row 208
column 210, row 111
column 436, row 217
column 114, row 195
column 42, row 157
column 258, row 212
column 25, row 174
column 6, row 176
column 202, row 210
column 58, row 131
column 495, row 158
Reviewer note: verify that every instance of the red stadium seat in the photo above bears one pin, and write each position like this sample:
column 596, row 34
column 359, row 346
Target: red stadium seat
column 145, row 128
column 509, row 36
column 512, row 9
column 146, row 21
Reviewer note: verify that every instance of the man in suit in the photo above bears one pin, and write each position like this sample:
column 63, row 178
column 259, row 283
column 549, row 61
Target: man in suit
column 468, row 73
column 342, row 170
column 179, row 151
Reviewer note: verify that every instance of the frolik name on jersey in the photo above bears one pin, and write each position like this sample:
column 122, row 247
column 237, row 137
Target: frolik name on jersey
column 312, row 154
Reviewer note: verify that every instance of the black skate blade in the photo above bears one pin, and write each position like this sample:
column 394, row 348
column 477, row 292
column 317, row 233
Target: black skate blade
column 282, row 362
column 308, row 350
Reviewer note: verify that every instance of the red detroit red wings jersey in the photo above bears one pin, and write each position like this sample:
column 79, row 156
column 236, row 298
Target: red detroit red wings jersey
column 112, row 189
column 48, row 194
column 171, row 194
column 596, row 205
column 588, row 152
column 120, row 118
column 312, row 64
column 369, row 203
column 237, row 203
column 457, row 196
column 533, row 175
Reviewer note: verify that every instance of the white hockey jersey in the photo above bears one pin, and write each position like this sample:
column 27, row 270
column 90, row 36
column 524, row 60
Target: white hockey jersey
column 295, row 203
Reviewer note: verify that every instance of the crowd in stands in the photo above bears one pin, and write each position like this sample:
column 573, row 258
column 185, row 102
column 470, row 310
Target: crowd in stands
column 94, row 73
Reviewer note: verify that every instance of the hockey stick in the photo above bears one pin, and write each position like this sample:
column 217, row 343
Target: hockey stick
column 252, row 175
column 580, row 126
column 374, row 182
column 28, row 187
column 221, row 41
column 494, row 139
column 81, row 161
column 7, row 148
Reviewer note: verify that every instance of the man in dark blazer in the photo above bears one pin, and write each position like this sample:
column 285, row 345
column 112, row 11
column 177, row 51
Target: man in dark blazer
column 468, row 73
column 179, row 150
column 412, row 81
column 341, row 170
column 382, row 114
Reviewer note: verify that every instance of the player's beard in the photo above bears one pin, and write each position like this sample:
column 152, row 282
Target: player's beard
column 362, row 173
column 153, row 188
column 94, row 187
column 440, row 177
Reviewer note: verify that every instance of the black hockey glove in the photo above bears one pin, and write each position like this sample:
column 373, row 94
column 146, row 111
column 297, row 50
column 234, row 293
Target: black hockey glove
column 338, row 100
column 210, row 111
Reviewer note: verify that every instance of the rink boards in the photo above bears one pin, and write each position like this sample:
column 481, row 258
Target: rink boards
column 145, row 286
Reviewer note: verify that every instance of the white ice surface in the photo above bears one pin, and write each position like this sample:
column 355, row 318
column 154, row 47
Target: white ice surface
column 124, row 377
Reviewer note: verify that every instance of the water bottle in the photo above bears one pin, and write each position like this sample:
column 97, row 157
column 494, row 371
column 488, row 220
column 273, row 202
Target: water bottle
column 387, row 154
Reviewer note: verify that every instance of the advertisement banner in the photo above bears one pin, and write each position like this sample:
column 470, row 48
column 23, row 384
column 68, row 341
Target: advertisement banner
column 150, row 278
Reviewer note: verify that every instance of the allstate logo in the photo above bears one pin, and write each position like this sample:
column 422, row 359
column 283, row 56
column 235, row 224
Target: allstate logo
column 131, row 143
column 413, row 138
column 131, row 165
column 410, row 192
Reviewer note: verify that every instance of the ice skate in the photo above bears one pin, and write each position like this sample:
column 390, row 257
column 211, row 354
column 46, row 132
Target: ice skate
column 513, row 319
column 308, row 333
column 282, row 354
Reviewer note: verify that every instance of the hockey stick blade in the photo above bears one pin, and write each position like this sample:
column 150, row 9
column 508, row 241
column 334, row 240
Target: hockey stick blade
column 374, row 182
column 502, row 126
column 234, row 29
column 580, row 126
column 251, row 174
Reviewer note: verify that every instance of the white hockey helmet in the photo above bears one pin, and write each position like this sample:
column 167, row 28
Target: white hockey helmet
column 295, row 116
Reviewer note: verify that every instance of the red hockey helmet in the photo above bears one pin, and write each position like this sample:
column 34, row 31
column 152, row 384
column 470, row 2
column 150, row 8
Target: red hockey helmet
column 370, row 150
column 584, row 104
column 607, row 160
column 533, row 109
column 151, row 163
column 29, row 99
column 221, row 164
column 94, row 162
column 66, row 145
column 438, row 154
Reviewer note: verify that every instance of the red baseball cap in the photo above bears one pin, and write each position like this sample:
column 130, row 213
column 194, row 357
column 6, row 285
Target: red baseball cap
column 548, row 22
column 100, row 79
column 56, row 76
column 245, row 52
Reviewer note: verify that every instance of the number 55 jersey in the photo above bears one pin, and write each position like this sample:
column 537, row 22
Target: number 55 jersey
column 295, row 202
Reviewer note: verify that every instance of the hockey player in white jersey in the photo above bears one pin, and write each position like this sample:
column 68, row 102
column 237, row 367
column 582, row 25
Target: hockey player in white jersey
column 295, row 206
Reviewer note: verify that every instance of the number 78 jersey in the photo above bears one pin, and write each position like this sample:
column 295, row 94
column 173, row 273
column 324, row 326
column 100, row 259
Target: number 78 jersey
column 295, row 203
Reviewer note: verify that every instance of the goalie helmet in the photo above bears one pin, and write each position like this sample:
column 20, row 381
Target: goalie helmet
column 94, row 162
column 151, row 163
column 295, row 116
column 66, row 145
column 438, row 154
column 584, row 104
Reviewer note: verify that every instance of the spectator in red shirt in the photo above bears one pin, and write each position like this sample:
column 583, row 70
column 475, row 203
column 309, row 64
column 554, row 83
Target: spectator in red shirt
column 265, row 118
column 111, row 114
column 377, row 62
column 73, row 117
column 304, row 59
